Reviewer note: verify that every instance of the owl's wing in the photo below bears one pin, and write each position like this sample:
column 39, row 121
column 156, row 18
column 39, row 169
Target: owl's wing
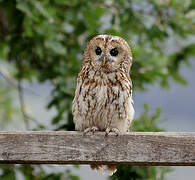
column 76, row 96
column 131, row 89
column 76, row 106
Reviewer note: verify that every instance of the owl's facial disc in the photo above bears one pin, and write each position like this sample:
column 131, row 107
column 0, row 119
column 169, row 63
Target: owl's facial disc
column 107, row 53
column 106, row 57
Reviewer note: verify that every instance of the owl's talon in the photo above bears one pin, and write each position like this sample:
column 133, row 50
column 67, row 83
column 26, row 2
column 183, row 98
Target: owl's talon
column 94, row 129
column 91, row 129
column 114, row 130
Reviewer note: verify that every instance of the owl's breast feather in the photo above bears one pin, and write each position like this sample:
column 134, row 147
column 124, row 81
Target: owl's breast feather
column 101, row 97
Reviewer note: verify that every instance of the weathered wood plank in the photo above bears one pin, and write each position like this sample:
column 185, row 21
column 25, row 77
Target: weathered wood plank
column 62, row 147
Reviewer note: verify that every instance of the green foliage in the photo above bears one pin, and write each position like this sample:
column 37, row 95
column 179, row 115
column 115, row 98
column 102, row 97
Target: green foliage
column 125, row 172
column 30, row 172
column 7, row 172
column 147, row 122
column 45, row 40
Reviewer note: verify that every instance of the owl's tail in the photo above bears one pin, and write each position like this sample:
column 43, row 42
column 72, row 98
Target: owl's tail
column 104, row 169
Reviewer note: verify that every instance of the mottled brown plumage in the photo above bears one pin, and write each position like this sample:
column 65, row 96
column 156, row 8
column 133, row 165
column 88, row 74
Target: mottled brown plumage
column 103, row 96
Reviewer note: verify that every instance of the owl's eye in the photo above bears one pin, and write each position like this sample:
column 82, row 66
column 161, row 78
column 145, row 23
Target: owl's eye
column 98, row 51
column 114, row 52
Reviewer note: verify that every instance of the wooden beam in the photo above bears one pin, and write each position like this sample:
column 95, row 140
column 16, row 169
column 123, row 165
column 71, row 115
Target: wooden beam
column 69, row 147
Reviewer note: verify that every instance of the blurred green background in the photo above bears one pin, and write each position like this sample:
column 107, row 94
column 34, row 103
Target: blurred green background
column 43, row 41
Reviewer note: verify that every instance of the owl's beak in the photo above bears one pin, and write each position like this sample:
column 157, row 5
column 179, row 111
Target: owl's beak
column 104, row 61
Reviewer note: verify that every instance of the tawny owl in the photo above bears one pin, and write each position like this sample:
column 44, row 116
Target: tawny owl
column 103, row 96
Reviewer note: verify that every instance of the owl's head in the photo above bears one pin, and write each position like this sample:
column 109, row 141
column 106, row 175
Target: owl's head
column 108, row 53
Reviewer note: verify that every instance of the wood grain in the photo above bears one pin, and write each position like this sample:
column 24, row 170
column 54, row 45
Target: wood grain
column 69, row 147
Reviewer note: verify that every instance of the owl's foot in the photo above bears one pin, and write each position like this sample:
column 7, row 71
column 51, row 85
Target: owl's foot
column 112, row 130
column 90, row 129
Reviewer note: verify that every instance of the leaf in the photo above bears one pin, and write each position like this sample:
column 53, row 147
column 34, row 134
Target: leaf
column 42, row 10
column 24, row 7
column 56, row 47
column 177, row 77
column 92, row 17
column 191, row 15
